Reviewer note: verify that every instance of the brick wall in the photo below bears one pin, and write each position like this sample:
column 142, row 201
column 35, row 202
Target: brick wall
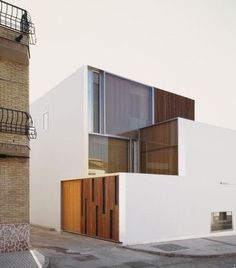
column 14, row 93
column 14, row 85
column 14, row 171
column 14, row 194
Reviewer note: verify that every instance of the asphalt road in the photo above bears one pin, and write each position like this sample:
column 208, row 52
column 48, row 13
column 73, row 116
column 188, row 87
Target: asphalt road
column 63, row 250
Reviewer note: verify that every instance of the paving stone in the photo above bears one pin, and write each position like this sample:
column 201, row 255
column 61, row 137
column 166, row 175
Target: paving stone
column 170, row 247
column 138, row 264
column 17, row 260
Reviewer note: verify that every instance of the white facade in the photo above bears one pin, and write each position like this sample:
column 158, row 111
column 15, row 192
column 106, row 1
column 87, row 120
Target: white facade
column 179, row 207
column 152, row 207
column 61, row 150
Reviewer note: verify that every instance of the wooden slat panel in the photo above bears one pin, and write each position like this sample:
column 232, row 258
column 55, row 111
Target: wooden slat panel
column 169, row 105
column 71, row 206
column 100, row 214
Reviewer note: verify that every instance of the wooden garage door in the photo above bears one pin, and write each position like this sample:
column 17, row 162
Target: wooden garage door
column 91, row 207
column 71, row 206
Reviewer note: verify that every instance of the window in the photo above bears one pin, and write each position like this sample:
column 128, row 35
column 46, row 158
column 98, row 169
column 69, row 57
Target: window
column 128, row 105
column 108, row 155
column 45, row 121
column 94, row 101
column 221, row 221
column 117, row 108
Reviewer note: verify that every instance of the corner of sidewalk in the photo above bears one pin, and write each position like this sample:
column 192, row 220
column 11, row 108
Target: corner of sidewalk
column 206, row 247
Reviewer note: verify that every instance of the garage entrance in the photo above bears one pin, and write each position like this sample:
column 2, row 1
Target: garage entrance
column 91, row 207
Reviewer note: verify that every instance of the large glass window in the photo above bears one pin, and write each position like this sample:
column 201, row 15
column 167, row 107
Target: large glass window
column 108, row 155
column 159, row 148
column 118, row 108
column 94, row 101
column 128, row 105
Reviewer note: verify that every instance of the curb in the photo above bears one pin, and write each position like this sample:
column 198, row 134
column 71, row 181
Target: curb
column 179, row 255
column 44, row 228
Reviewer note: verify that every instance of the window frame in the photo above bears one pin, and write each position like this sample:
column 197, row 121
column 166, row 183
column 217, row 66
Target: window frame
column 45, row 121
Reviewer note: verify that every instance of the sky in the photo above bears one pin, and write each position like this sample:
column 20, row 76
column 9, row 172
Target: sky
column 184, row 46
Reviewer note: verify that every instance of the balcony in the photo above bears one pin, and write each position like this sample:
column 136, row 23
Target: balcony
column 17, row 19
column 17, row 122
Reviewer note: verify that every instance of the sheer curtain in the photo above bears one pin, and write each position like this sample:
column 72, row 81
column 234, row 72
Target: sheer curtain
column 128, row 105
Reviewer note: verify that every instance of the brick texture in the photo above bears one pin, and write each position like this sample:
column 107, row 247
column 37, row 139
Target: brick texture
column 14, row 171
column 14, row 185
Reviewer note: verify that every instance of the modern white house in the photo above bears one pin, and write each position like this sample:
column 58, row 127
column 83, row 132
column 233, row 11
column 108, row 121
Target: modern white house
column 120, row 160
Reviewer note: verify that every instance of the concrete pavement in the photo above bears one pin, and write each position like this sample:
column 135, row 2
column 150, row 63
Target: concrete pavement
column 206, row 247
column 69, row 250
column 23, row 259
column 64, row 250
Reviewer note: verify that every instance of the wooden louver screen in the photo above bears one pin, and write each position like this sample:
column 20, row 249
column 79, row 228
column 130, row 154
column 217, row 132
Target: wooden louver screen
column 91, row 207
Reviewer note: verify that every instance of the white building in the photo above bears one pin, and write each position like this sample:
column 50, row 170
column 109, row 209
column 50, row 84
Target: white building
column 153, row 176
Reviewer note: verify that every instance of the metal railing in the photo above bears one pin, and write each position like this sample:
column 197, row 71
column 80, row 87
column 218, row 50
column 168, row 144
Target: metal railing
column 17, row 122
column 17, row 19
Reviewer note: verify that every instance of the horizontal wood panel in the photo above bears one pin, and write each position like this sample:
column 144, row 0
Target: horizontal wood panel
column 169, row 105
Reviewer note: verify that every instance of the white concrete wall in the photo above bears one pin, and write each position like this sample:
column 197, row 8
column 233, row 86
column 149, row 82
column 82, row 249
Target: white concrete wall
column 61, row 151
column 162, row 207
column 206, row 152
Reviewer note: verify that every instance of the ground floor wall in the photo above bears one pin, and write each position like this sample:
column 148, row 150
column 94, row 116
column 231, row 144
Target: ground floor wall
column 161, row 208
column 14, row 204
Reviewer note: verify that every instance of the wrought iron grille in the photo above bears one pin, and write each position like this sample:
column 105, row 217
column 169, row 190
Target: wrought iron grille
column 17, row 19
column 17, row 122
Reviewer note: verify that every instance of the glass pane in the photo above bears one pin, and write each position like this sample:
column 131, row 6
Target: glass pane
column 94, row 101
column 159, row 149
column 128, row 105
column 221, row 221
column 107, row 155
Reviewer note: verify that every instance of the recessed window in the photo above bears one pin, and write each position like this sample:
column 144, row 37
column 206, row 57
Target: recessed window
column 221, row 221
column 128, row 105
column 94, row 101
column 108, row 155
column 45, row 121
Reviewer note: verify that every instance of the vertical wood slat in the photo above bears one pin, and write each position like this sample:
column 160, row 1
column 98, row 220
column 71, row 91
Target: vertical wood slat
column 96, row 194
column 71, row 206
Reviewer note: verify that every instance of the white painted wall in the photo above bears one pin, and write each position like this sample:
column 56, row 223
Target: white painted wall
column 152, row 207
column 161, row 207
column 61, row 151
column 206, row 152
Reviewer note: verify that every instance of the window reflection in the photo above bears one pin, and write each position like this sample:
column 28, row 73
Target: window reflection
column 108, row 155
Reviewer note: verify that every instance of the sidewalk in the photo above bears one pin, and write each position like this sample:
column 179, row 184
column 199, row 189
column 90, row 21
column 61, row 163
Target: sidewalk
column 24, row 259
column 194, row 248
column 62, row 250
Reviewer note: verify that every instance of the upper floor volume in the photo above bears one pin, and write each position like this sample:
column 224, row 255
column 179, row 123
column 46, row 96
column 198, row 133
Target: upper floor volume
column 18, row 20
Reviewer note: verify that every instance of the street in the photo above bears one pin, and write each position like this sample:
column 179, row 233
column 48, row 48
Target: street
column 64, row 250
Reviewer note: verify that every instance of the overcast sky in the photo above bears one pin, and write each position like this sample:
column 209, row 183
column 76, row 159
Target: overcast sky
column 184, row 46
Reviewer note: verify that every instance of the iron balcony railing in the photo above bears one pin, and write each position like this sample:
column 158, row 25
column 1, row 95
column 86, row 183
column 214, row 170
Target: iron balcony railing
column 17, row 122
column 17, row 19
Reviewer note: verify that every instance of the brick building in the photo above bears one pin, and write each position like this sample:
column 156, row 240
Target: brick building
column 16, row 126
